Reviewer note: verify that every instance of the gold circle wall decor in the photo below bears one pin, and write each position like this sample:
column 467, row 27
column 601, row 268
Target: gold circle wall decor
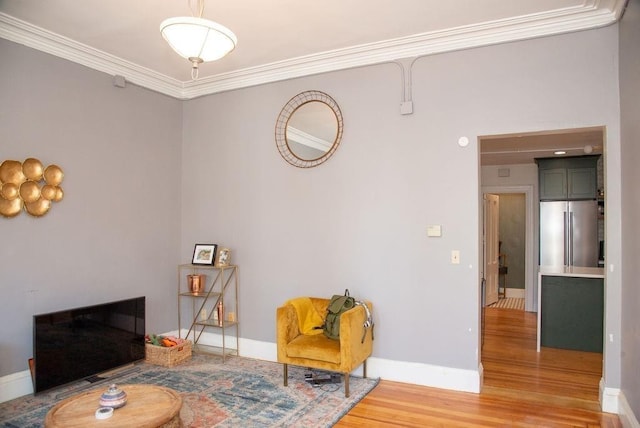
column 9, row 191
column 11, row 172
column 29, row 191
column 38, row 207
column 10, row 208
column 48, row 192
column 27, row 185
column 32, row 169
column 53, row 175
column 59, row 194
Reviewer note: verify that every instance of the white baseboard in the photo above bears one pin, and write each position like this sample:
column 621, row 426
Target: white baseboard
column 425, row 374
column 514, row 293
column 612, row 400
column 15, row 385
column 627, row 417
column 609, row 398
column 399, row 371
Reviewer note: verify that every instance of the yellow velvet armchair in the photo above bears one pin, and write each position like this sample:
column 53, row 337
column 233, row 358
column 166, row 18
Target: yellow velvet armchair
column 319, row 352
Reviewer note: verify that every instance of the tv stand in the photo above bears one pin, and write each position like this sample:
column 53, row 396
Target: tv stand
column 109, row 375
column 94, row 379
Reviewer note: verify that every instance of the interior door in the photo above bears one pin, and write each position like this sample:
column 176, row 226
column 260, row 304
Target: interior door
column 490, row 238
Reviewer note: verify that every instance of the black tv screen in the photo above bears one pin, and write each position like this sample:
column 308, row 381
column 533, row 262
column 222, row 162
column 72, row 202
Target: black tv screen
column 83, row 342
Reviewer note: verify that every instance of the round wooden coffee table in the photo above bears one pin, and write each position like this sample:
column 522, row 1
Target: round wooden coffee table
column 148, row 406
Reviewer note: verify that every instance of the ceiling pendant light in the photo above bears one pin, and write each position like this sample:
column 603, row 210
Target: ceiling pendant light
column 197, row 39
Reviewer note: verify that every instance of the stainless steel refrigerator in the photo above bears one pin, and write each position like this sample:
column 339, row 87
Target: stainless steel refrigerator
column 569, row 233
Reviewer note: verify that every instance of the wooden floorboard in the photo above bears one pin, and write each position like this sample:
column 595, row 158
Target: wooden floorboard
column 522, row 388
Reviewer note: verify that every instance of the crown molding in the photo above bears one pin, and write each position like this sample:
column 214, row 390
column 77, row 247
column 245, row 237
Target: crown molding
column 22, row 32
column 591, row 14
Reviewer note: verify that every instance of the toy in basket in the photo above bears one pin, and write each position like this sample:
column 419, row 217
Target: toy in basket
column 166, row 351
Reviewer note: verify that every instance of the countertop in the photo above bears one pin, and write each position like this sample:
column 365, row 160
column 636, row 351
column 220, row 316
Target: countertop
column 574, row 271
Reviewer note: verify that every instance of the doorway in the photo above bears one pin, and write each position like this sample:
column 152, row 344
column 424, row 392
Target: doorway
column 508, row 167
column 529, row 260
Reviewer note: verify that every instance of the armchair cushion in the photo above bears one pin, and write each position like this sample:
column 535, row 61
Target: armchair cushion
column 309, row 320
column 317, row 347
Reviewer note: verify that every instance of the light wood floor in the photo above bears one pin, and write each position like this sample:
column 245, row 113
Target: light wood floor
column 522, row 388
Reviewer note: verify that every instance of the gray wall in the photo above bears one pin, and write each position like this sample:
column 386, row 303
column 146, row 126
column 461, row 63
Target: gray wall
column 519, row 175
column 115, row 234
column 315, row 232
column 512, row 236
column 140, row 201
column 630, row 137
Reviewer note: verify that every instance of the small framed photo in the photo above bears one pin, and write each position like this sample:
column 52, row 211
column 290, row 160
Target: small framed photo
column 223, row 257
column 204, row 254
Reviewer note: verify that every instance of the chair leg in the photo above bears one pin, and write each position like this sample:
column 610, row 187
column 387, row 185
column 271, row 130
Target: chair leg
column 346, row 385
column 286, row 375
column 364, row 369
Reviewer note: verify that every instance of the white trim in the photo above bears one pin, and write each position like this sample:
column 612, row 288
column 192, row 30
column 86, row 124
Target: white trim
column 425, row 374
column 627, row 417
column 43, row 40
column 398, row 371
column 609, row 398
column 15, row 385
column 613, row 400
column 298, row 136
column 591, row 14
column 514, row 293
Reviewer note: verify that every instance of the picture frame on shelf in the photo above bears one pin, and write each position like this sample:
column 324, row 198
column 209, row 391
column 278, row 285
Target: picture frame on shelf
column 204, row 254
column 223, row 257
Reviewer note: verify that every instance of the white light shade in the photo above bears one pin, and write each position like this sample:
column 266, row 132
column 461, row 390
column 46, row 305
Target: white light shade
column 198, row 38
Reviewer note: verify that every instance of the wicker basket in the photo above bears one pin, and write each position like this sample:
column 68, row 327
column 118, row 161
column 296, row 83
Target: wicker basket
column 167, row 356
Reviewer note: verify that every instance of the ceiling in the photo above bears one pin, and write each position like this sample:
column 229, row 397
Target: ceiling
column 524, row 148
column 282, row 39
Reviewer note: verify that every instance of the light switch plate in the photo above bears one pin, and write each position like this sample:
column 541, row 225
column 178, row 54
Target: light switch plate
column 434, row 230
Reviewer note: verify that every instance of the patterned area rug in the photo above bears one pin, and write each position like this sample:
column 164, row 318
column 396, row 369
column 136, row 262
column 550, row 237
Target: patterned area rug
column 509, row 303
column 239, row 393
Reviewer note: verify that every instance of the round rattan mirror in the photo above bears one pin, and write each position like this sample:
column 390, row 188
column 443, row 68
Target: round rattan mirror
column 309, row 129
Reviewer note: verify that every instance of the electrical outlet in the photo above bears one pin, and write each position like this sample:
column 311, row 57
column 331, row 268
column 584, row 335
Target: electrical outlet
column 455, row 257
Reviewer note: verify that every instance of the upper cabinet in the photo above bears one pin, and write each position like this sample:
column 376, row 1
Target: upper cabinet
column 568, row 178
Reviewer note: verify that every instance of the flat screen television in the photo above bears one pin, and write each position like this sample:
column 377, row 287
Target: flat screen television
column 81, row 343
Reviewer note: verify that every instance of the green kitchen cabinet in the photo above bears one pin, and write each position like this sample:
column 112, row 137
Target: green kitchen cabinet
column 568, row 178
column 572, row 310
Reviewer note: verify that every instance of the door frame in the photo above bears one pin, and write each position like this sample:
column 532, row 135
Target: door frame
column 490, row 246
column 531, row 244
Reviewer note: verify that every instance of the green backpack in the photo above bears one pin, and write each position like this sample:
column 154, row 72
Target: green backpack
column 337, row 306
